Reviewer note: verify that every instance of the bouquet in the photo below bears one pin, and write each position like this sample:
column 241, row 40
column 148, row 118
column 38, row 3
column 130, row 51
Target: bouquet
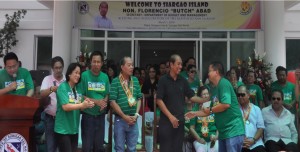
column 260, row 67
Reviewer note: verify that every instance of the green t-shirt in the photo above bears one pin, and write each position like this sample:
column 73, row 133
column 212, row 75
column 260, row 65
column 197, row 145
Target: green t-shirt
column 157, row 111
column 67, row 122
column 184, row 74
column 288, row 91
column 237, row 85
column 229, row 122
column 256, row 95
column 198, row 122
column 118, row 94
column 23, row 79
column 194, row 85
column 95, row 87
column 187, row 122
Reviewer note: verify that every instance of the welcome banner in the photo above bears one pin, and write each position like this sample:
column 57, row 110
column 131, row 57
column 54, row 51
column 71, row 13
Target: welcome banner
column 171, row 15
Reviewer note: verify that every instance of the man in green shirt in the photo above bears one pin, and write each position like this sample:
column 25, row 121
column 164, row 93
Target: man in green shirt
column 256, row 96
column 14, row 79
column 286, row 87
column 125, row 100
column 95, row 86
column 228, row 117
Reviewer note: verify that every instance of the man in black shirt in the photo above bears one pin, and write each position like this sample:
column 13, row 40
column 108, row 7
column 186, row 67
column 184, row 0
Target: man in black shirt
column 171, row 92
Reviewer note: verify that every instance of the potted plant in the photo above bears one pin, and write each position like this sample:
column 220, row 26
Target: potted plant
column 8, row 32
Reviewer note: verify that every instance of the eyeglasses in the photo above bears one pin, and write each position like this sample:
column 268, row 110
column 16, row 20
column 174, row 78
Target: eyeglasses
column 11, row 67
column 278, row 99
column 193, row 71
column 241, row 95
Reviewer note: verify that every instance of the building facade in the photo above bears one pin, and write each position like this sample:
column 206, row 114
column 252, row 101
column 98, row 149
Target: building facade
column 57, row 28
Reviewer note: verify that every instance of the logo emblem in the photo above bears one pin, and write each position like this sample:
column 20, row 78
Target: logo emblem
column 246, row 8
column 83, row 7
column 13, row 142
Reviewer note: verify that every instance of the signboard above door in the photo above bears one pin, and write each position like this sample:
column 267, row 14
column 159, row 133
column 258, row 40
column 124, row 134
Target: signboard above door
column 170, row 15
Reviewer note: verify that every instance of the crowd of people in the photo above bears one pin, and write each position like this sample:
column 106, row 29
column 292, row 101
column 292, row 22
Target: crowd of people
column 225, row 114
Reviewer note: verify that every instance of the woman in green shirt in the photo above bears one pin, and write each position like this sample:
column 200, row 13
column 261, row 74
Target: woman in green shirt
column 204, row 129
column 234, row 78
column 194, row 84
column 69, row 103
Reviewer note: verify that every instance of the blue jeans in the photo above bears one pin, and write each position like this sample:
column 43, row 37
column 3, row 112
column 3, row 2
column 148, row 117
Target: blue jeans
column 233, row 144
column 125, row 134
column 92, row 132
column 51, row 143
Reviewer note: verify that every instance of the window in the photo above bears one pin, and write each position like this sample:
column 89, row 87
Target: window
column 119, row 34
column 214, row 35
column 213, row 51
column 240, row 50
column 247, row 34
column 292, row 53
column 153, row 47
column 44, row 52
column 92, row 33
column 118, row 49
column 88, row 46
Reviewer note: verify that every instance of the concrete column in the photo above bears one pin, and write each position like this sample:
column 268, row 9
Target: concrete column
column 62, row 30
column 274, row 34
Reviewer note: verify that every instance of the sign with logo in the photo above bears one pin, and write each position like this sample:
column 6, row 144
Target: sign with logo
column 83, row 7
column 170, row 15
column 13, row 142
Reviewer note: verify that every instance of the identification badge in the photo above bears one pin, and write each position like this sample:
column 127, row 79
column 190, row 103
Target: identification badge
column 131, row 101
column 204, row 131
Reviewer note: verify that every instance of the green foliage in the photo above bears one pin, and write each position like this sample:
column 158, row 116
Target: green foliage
column 8, row 32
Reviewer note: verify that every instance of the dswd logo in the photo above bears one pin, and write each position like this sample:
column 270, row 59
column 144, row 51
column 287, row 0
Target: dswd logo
column 13, row 142
column 246, row 8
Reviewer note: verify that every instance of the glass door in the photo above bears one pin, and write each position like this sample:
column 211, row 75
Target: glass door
column 213, row 51
column 155, row 52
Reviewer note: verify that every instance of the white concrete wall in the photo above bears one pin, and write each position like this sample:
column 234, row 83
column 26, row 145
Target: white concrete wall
column 37, row 22
column 292, row 24
column 25, row 48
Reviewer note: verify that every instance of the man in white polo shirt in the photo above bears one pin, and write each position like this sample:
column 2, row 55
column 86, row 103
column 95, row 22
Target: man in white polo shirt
column 48, row 88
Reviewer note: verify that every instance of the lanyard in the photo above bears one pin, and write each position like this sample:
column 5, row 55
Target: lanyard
column 128, row 92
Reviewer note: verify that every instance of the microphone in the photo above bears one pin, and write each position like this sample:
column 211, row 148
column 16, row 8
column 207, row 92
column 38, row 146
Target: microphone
column 54, row 83
column 14, row 76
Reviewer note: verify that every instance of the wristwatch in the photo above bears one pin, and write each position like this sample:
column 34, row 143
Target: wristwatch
column 254, row 140
column 210, row 110
column 137, row 114
column 51, row 89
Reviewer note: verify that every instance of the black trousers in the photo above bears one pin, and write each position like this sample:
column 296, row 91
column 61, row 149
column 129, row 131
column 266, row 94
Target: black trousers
column 256, row 149
column 170, row 139
column 273, row 146
column 67, row 143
